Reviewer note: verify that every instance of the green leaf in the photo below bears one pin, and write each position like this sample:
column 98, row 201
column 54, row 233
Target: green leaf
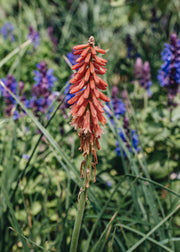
column 36, row 208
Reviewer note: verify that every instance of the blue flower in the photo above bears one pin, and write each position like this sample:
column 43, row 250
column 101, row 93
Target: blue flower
column 129, row 136
column 169, row 74
column 119, row 107
column 27, row 104
column 72, row 58
column 68, row 95
column 44, row 77
column 10, row 83
column 142, row 73
column 42, row 94
column 163, row 74
column 16, row 115
column 109, row 184
column 10, row 102
column 34, row 36
column 117, row 104
column 50, row 78
column 25, row 156
column 133, row 139
column 8, row 31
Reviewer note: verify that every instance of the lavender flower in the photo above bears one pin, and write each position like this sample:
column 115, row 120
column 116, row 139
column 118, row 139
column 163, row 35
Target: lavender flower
column 68, row 95
column 138, row 68
column 16, row 115
column 10, row 83
column 130, row 135
column 34, row 36
column 142, row 74
column 44, row 79
column 72, row 58
column 146, row 77
column 118, row 106
column 169, row 74
column 42, row 95
column 26, row 156
column 52, row 38
column 109, row 184
column 10, row 102
column 8, row 31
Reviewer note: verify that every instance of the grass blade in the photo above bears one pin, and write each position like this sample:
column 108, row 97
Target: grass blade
column 149, row 238
column 153, row 230
column 14, row 52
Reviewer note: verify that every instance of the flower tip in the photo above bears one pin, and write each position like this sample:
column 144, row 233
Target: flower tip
column 91, row 41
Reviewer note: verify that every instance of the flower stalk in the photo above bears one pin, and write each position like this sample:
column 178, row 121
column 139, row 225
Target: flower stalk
column 87, row 115
column 169, row 73
column 82, row 198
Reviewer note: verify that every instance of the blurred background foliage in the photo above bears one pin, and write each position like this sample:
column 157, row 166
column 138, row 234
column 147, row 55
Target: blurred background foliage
column 39, row 185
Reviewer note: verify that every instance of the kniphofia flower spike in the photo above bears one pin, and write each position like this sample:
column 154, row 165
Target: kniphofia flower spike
column 86, row 107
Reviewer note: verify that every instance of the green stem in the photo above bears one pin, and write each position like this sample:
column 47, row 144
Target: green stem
column 78, row 221
column 14, row 52
column 145, row 100
column 81, row 207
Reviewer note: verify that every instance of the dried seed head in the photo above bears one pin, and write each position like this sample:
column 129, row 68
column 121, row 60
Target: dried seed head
column 91, row 41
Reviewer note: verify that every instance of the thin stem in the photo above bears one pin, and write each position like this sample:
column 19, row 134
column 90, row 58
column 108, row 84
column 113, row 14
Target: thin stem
column 14, row 52
column 78, row 221
column 145, row 99
column 81, row 207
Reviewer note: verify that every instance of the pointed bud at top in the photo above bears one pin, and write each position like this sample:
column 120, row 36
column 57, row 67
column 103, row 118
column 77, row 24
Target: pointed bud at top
column 91, row 41
column 124, row 94
column 138, row 68
column 146, row 67
column 173, row 39
column 114, row 91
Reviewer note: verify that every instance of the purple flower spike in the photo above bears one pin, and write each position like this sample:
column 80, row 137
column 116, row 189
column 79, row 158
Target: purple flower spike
column 11, row 84
column 68, row 95
column 114, row 92
column 34, row 36
column 16, row 115
column 138, row 68
column 131, row 135
column 169, row 74
column 142, row 74
column 8, row 31
column 118, row 106
column 42, row 95
column 146, row 77
column 52, row 38
column 72, row 58
column 10, row 102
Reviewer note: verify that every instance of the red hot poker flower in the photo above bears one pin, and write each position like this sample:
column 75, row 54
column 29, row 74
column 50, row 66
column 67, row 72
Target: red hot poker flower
column 86, row 107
